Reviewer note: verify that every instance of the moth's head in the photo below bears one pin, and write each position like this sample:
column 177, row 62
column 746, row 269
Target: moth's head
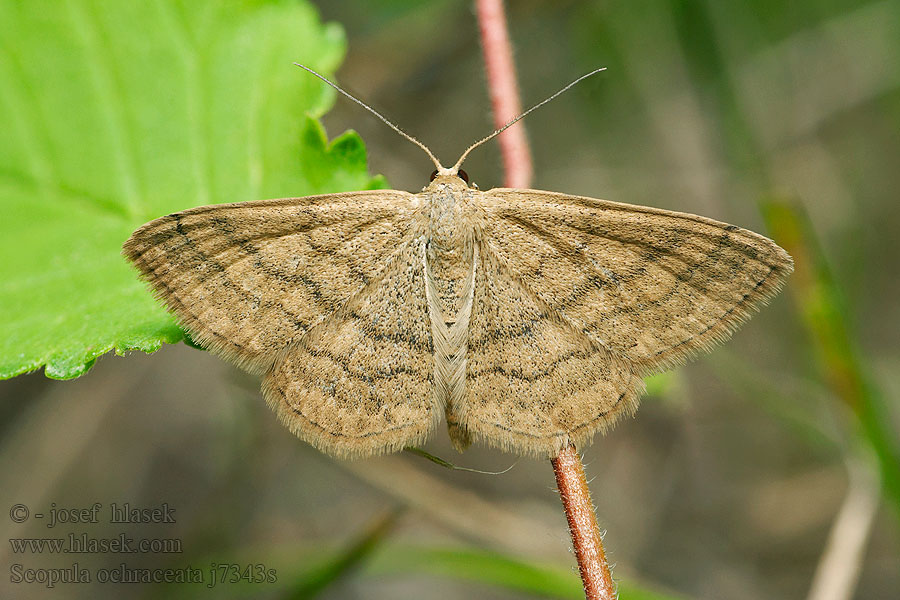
column 454, row 177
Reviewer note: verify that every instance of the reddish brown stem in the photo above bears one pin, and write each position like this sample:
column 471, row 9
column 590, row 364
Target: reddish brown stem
column 501, row 76
column 573, row 489
column 576, row 499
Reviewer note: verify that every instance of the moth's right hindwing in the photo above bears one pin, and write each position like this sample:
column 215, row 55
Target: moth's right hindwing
column 535, row 383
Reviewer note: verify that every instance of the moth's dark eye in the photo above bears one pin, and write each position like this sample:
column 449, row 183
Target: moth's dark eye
column 463, row 175
column 433, row 175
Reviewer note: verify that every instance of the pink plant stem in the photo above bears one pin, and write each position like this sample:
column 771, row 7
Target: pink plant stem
column 501, row 76
column 573, row 489
column 576, row 499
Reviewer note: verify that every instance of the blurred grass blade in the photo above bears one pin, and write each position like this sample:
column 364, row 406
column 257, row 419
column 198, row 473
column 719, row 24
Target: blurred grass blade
column 312, row 583
column 496, row 570
column 796, row 403
column 821, row 306
column 307, row 571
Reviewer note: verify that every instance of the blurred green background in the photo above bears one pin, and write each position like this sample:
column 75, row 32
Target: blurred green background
column 756, row 472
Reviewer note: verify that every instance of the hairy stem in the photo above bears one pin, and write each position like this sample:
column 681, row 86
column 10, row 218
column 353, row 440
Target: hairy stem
column 501, row 77
column 586, row 539
column 573, row 489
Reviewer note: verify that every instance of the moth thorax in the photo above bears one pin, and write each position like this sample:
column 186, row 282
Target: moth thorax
column 449, row 251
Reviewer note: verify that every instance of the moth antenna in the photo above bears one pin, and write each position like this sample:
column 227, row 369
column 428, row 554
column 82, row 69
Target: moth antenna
column 497, row 132
column 436, row 162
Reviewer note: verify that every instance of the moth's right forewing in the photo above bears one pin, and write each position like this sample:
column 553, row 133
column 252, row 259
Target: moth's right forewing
column 247, row 279
column 651, row 285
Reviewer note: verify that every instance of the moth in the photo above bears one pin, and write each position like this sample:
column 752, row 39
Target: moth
column 525, row 318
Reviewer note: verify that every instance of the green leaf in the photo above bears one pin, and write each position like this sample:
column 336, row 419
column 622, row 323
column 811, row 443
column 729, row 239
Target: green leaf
column 114, row 113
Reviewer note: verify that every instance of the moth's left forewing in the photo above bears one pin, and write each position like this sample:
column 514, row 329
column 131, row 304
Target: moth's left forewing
column 651, row 285
column 245, row 279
